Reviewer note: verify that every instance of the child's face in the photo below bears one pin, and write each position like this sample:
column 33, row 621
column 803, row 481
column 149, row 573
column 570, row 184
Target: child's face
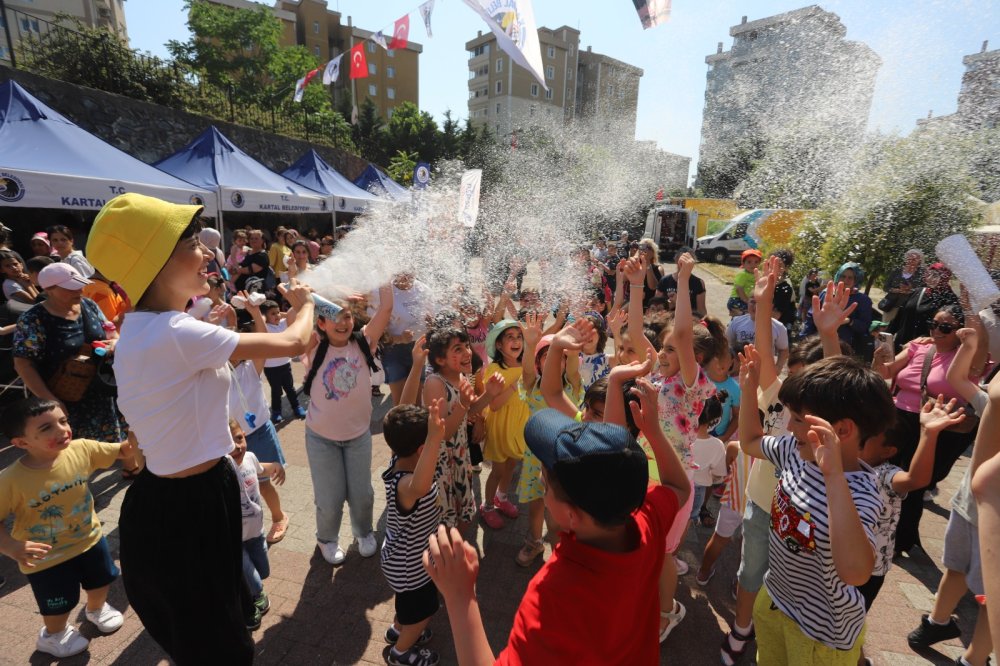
column 457, row 358
column 591, row 346
column 240, row 444
column 798, row 426
column 61, row 244
column 470, row 315
column 11, row 268
column 718, row 367
column 593, row 412
column 45, row 435
column 750, row 263
column 627, row 352
column 273, row 316
column 511, row 343
column 530, row 300
column 338, row 330
column 667, row 356
column 39, row 248
column 301, row 254
column 540, row 358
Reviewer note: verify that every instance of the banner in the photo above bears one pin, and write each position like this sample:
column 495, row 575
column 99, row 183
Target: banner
column 425, row 11
column 300, row 85
column 468, row 197
column 513, row 23
column 379, row 39
column 332, row 71
column 359, row 65
column 652, row 12
column 421, row 175
column 400, row 33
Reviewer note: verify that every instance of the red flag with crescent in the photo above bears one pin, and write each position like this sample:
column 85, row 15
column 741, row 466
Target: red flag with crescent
column 359, row 65
column 400, row 33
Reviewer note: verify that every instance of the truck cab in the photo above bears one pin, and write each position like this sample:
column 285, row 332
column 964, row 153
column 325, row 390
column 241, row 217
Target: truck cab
column 727, row 243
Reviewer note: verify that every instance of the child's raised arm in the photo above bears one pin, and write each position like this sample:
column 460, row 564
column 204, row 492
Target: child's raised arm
column 750, row 428
column 532, row 334
column 569, row 341
column 635, row 272
column 375, row 327
column 763, row 337
column 647, row 418
column 683, row 323
column 614, row 403
column 935, row 416
column 414, row 486
column 411, row 389
column 435, row 390
column 828, row 316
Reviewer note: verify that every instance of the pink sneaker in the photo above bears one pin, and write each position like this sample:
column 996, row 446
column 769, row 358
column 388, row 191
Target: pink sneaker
column 506, row 507
column 491, row 517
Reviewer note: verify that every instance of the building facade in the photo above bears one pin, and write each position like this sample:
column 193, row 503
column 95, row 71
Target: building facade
column 32, row 18
column 790, row 72
column 979, row 97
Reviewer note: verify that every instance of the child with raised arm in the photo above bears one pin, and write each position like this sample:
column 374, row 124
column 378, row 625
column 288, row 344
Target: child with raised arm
column 414, row 434
column 595, row 600
column 57, row 539
column 962, row 559
column 824, row 511
column 985, row 472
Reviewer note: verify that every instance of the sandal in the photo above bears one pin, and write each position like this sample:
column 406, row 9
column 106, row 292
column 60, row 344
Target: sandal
column 673, row 618
column 729, row 655
column 278, row 529
column 129, row 474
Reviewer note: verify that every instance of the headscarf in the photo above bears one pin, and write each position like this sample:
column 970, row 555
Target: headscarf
column 211, row 238
column 859, row 273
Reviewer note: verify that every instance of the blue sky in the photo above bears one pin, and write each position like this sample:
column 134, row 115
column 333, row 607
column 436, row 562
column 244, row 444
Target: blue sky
column 921, row 43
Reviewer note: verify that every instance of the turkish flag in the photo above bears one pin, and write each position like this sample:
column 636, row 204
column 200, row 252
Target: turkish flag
column 400, row 33
column 359, row 66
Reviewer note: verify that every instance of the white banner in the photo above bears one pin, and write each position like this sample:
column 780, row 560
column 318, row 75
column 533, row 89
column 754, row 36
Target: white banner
column 332, row 71
column 425, row 11
column 652, row 12
column 513, row 23
column 468, row 197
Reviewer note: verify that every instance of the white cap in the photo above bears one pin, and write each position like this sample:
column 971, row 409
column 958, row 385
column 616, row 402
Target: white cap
column 61, row 275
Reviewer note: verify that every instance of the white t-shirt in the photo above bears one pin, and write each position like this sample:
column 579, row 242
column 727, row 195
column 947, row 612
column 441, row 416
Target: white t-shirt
column 710, row 458
column 173, row 388
column 340, row 398
column 80, row 263
column 251, row 506
column 282, row 360
column 802, row 579
column 763, row 477
column 410, row 309
column 741, row 332
column 992, row 326
column 246, row 394
column 963, row 502
column 10, row 288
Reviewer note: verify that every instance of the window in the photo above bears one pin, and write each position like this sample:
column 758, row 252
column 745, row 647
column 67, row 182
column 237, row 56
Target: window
column 25, row 25
column 548, row 94
column 372, row 89
column 371, row 47
column 611, row 89
column 390, row 93
column 570, row 51
column 391, row 53
column 482, row 49
column 551, row 52
column 315, row 27
column 498, row 129
column 390, row 72
column 569, row 74
column 316, row 51
column 499, row 65
column 372, row 68
column 550, row 72
column 391, row 111
column 534, row 90
column 498, row 109
column 499, row 87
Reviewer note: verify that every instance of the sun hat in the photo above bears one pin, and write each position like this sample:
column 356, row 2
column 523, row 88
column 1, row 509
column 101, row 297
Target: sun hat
column 133, row 237
column 600, row 466
column 495, row 333
column 61, row 275
column 42, row 236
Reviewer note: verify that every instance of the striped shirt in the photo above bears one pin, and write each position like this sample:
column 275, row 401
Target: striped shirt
column 406, row 534
column 802, row 579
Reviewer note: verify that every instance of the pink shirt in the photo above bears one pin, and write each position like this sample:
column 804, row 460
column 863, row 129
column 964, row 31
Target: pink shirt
column 340, row 399
column 908, row 379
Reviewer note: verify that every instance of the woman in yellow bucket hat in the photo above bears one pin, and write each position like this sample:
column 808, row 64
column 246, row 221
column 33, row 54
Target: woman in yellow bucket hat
column 180, row 526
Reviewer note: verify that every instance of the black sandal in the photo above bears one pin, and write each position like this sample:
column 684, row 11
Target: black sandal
column 727, row 649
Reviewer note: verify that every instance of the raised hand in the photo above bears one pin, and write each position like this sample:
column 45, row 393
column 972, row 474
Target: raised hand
column 623, row 372
column 452, row 564
column 495, row 385
column 825, row 445
column 532, row 329
column 616, row 321
column 435, row 421
column 685, row 265
column 635, row 269
column 467, row 394
column 749, row 369
column 967, row 336
column 575, row 336
column 765, row 276
column 296, row 293
column 835, row 310
column 645, row 412
column 419, row 352
column 937, row 415
column 218, row 314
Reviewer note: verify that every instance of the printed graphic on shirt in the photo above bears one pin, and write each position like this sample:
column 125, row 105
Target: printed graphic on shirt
column 795, row 530
column 773, row 418
column 340, row 376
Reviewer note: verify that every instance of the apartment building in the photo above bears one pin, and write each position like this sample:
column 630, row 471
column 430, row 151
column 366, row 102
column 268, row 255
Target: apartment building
column 31, row 17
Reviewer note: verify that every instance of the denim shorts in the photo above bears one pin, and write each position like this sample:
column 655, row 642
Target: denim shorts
column 396, row 361
column 756, row 535
column 57, row 589
column 264, row 443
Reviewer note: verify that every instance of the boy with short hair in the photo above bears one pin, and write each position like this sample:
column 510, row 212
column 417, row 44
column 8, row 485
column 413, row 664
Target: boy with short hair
column 414, row 434
column 57, row 540
column 743, row 282
column 279, row 370
column 596, row 598
column 824, row 510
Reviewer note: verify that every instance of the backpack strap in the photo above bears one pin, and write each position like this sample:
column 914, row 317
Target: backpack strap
column 366, row 349
column 318, row 358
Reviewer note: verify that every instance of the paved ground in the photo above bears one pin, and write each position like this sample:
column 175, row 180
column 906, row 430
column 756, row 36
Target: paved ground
column 322, row 615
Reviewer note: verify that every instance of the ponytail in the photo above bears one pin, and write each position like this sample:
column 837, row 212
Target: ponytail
column 709, row 339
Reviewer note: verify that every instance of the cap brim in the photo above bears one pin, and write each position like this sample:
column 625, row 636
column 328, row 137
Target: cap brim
column 541, row 433
column 74, row 283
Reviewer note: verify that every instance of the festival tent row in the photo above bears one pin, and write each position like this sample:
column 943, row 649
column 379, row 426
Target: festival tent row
column 379, row 183
column 313, row 172
column 48, row 162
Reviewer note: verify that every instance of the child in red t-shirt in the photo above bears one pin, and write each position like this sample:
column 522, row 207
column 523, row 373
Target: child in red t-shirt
column 596, row 599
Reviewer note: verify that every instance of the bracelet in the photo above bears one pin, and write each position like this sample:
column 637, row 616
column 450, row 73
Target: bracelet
column 637, row 284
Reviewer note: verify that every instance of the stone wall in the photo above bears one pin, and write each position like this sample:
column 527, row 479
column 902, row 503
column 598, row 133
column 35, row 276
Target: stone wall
column 151, row 132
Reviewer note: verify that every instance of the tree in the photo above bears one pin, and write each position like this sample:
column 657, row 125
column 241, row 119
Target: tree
column 368, row 133
column 720, row 176
column 401, row 167
column 411, row 130
column 449, row 140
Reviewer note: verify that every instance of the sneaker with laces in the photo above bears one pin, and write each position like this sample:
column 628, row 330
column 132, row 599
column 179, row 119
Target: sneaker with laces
column 506, row 507
column 673, row 618
column 491, row 517
column 529, row 551
column 368, row 545
column 928, row 633
column 262, row 603
column 253, row 623
column 66, row 643
column 413, row 657
column 392, row 635
column 106, row 619
column 682, row 566
column 331, row 552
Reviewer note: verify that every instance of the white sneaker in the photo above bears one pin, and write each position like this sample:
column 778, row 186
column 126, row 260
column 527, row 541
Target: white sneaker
column 682, row 566
column 64, row 644
column 368, row 545
column 331, row 552
column 107, row 619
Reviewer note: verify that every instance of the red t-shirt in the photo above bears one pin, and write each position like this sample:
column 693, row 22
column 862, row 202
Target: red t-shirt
column 590, row 606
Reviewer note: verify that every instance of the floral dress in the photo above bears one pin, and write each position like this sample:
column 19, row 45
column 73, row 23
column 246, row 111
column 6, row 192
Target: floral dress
column 679, row 407
column 454, row 468
column 47, row 340
column 530, row 486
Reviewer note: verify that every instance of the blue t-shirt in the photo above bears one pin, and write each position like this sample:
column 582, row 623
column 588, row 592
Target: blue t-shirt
column 732, row 389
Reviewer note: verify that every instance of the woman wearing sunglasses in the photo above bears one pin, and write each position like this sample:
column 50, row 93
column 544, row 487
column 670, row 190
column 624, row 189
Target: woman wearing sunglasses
column 918, row 371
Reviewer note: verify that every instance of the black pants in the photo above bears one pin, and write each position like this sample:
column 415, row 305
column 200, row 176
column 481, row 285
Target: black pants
column 950, row 446
column 182, row 565
column 280, row 379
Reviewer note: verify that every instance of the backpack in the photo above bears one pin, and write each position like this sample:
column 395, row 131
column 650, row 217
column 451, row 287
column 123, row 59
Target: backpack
column 324, row 345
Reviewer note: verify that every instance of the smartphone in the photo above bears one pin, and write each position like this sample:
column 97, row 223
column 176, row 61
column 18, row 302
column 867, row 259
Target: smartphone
column 887, row 339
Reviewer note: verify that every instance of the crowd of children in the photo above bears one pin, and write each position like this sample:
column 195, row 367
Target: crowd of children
column 619, row 451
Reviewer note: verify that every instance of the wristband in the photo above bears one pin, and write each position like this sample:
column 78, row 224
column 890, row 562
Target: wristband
column 636, row 284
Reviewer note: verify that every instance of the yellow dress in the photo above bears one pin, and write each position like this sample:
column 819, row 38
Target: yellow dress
column 505, row 427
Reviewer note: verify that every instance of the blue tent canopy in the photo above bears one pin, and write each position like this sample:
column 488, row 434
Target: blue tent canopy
column 48, row 162
column 213, row 162
column 312, row 171
column 377, row 182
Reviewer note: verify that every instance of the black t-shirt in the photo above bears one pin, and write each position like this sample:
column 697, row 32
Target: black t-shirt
column 784, row 302
column 668, row 286
column 251, row 260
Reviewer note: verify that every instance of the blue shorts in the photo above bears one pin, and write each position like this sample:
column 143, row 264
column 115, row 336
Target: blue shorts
column 264, row 443
column 397, row 361
column 57, row 589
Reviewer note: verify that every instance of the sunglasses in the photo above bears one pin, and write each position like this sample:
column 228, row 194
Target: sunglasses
column 944, row 328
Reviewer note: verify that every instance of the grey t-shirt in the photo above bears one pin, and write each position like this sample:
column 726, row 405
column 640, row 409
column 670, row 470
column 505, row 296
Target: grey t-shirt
column 963, row 503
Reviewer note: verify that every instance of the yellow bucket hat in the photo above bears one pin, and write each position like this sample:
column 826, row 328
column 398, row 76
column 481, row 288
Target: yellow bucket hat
column 133, row 237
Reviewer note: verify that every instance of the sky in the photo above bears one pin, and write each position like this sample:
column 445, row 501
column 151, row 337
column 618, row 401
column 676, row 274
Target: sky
column 921, row 43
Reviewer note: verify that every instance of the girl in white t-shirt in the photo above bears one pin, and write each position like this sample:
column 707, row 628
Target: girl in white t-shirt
column 338, row 424
column 180, row 526
column 17, row 285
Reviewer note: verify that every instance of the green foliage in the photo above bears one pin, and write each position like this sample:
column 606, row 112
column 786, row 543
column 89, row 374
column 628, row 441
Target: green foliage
column 368, row 134
column 412, row 131
column 401, row 167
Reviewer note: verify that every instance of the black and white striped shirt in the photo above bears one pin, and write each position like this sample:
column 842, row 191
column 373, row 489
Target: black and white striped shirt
column 406, row 534
column 802, row 579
